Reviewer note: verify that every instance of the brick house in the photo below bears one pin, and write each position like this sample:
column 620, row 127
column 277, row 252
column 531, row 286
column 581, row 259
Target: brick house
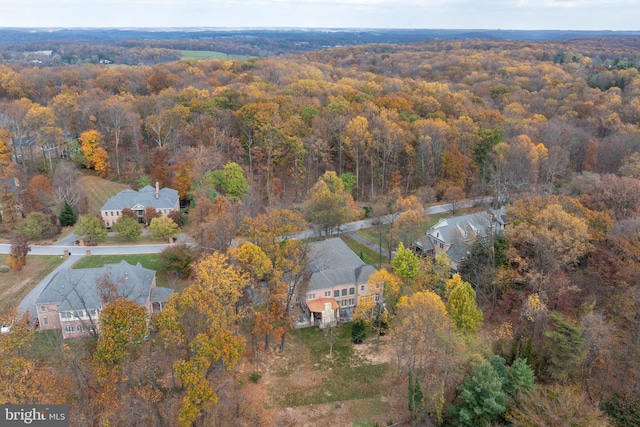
column 453, row 236
column 73, row 299
column 337, row 283
column 164, row 201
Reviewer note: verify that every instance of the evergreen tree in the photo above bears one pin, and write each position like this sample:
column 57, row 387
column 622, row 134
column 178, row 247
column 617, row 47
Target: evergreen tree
column 484, row 399
column 358, row 331
column 67, row 216
column 466, row 316
column 563, row 347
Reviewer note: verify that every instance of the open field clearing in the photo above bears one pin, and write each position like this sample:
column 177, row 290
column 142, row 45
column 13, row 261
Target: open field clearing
column 99, row 190
column 356, row 385
column 15, row 285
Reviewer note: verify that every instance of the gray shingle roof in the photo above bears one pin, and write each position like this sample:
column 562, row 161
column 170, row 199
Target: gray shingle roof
column 78, row 289
column 464, row 226
column 160, row 294
column 332, row 263
column 167, row 199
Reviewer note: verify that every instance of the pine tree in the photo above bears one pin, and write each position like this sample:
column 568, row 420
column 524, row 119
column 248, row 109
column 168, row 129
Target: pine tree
column 67, row 216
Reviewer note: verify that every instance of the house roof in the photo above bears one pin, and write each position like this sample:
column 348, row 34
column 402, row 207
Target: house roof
column 167, row 199
column 465, row 227
column 317, row 305
column 425, row 243
column 160, row 294
column 78, row 289
column 332, row 263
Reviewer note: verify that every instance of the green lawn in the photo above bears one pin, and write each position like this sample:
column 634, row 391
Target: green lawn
column 344, row 376
column 368, row 255
column 373, row 234
column 150, row 261
column 209, row 54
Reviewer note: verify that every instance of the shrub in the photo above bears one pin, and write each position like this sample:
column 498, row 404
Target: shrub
column 41, row 225
column 176, row 260
column 178, row 217
column 255, row 377
column 5, row 268
column 127, row 228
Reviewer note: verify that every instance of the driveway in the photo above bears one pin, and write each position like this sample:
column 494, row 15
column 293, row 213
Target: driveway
column 75, row 253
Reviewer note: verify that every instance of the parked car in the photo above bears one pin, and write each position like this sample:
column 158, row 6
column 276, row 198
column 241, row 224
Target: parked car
column 5, row 329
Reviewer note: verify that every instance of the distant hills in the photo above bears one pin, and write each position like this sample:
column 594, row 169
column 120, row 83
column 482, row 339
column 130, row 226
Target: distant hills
column 149, row 46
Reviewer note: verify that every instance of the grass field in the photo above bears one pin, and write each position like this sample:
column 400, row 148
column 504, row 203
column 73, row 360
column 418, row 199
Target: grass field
column 15, row 285
column 372, row 234
column 209, row 54
column 150, row 261
column 343, row 376
column 368, row 255
column 99, row 190
column 355, row 386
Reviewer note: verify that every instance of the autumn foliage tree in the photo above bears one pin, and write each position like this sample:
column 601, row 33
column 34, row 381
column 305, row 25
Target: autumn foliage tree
column 428, row 351
column 91, row 228
column 19, row 250
column 95, row 155
column 200, row 327
column 163, row 227
column 329, row 205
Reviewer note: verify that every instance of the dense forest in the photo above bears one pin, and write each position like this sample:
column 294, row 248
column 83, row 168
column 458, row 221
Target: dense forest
column 548, row 128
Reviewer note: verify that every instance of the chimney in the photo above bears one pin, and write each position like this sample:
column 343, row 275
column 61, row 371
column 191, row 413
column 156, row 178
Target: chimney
column 157, row 189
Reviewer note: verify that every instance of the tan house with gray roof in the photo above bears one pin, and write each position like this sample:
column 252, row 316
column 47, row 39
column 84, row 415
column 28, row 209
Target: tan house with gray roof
column 163, row 200
column 453, row 236
column 73, row 299
column 337, row 284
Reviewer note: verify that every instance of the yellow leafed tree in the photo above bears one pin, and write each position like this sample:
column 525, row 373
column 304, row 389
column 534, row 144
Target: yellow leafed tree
column 95, row 156
column 200, row 326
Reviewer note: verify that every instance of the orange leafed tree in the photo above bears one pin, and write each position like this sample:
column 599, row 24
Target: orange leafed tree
column 95, row 155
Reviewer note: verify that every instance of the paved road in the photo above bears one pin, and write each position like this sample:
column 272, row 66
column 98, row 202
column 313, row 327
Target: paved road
column 77, row 252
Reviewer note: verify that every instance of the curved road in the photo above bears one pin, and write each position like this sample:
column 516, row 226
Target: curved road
column 77, row 252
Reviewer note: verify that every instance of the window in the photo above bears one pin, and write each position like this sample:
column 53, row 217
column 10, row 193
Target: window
column 117, row 213
column 366, row 298
column 45, row 320
column 344, row 292
column 92, row 313
column 43, row 308
column 68, row 329
column 352, row 301
column 65, row 315
column 352, row 291
column 327, row 293
column 80, row 328
column 107, row 223
column 297, row 299
column 312, row 296
column 377, row 297
column 361, row 288
column 343, row 303
column 111, row 213
column 441, row 245
column 336, row 294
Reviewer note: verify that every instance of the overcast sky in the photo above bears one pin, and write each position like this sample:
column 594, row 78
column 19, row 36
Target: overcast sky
column 468, row 14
